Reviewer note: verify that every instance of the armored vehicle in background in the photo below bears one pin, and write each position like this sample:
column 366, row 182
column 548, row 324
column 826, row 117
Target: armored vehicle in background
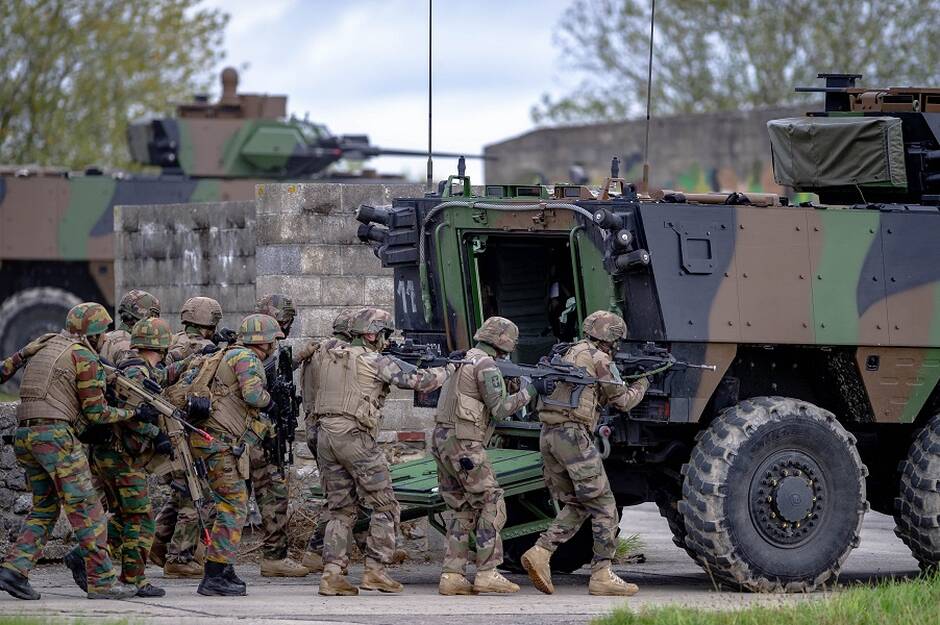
column 56, row 239
column 822, row 322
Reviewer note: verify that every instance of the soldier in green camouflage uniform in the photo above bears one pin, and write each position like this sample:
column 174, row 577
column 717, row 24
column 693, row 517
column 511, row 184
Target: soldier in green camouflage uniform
column 307, row 357
column 573, row 468
column 353, row 382
column 11, row 364
column 134, row 306
column 120, row 458
column 471, row 401
column 176, row 541
column 238, row 395
column 269, row 486
column 63, row 392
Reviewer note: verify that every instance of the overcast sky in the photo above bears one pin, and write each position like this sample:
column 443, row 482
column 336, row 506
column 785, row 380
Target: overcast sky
column 360, row 66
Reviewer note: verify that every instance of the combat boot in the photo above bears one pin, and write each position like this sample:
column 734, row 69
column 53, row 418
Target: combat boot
column 176, row 570
column 157, row 554
column 313, row 562
column 605, row 582
column 285, row 567
column 17, row 584
column 492, row 580
column 333, row 583
column 149, row 591
column 454, row 584
column 76, row 564
column 116, row 591
column 536, row 562
column 229, row 574
column 378, row 579
column 214, row 583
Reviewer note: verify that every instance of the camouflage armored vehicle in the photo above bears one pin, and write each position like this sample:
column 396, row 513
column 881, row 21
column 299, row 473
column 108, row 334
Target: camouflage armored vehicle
column 822, row 322
column 56, row 240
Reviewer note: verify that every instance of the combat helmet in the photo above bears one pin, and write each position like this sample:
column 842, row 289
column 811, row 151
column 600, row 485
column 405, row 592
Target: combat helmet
column 151, row 333
column 278, row 306
column 137, row 305
column 371, row 321
column 341, row 324
column 499, row 332
column 201, row 311
column 87, row 319
column 605, row 326
column 258, row 329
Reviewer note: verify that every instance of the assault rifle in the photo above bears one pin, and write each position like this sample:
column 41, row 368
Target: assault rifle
column 649, row 359
column 284, row 410
column 173, row 422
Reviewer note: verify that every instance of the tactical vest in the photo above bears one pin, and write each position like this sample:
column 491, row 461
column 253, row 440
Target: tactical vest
column 115, row 342
column 138, row 448
column 461, row 405
column 184, row 345
column 49, row 389
column 310, row 374
column 579, row 354
column 230, row 413
column 345, row 387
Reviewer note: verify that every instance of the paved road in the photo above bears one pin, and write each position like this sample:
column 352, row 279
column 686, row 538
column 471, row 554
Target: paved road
column 667, row 577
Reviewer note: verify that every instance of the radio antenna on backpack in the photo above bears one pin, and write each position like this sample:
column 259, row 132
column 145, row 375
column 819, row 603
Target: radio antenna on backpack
column 430, row 181
column 644, row 186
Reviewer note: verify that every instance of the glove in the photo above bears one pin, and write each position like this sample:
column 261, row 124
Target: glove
column 162, row 444
column 209, row 349
column 146, row 413
column 544, row 386
column 225, row 335
column 457, row 355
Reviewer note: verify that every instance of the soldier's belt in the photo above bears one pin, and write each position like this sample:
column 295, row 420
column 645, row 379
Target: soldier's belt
column 32, row 422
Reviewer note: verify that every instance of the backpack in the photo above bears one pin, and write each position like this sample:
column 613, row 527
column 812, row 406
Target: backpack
column 196, row 381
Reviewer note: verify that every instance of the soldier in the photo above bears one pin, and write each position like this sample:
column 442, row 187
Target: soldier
column 62, row 392
column 307, row 356
column 134, row 306
column 470, row 402
column 238, row 392
column 119, row 457
column 573, row 468
column 176, row 542
column 270, row 487
column 353, row 382
column 11, row 364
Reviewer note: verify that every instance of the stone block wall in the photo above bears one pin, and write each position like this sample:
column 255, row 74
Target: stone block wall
column 177, row 251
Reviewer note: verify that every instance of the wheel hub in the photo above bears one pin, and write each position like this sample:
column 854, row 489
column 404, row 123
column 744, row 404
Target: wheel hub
column 787, row 498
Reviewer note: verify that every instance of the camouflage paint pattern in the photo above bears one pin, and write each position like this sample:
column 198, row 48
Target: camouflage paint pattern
column 230, row 494
column 271, row 495
column 60, row 479
column 575, row 476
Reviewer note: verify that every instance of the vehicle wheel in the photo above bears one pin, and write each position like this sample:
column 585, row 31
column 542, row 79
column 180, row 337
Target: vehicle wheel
column 569, row 557
column 668, row 505
column 774, row 496
column 29, row 314
column 917, row 507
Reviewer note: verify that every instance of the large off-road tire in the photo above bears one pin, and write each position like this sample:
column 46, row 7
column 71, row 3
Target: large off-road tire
column 30, row 313
column 917, row 507
column 774, row 496
column 668, row 505
column 569, row 556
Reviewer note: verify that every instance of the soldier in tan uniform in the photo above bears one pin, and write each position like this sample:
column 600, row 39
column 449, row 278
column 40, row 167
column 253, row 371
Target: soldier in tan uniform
column 573, row 468
column 471, row 401
column 353, row 382
column 134, row 306
column 176, row 544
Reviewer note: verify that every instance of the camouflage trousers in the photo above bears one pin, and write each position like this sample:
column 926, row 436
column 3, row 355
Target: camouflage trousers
column 474, row 499
column 177, row 524
column 59, row 476
column 230, row 494
column 354, row 470
column 271, row 496
column 131, row 526
column 575, row 476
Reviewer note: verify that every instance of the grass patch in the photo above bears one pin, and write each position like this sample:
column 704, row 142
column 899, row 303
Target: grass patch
column 4, row 397
column 48, row 620
column 628, row 548
column 903, row 603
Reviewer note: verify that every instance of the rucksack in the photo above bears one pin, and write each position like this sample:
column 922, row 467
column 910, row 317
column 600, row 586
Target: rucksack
column 196, row 381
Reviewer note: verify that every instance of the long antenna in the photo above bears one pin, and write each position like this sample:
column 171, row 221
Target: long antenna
column 644, row 186
column 430, row 180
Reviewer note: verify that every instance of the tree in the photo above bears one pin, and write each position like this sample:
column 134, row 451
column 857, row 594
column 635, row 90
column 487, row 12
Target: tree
column 74, row 72
column 714, row 55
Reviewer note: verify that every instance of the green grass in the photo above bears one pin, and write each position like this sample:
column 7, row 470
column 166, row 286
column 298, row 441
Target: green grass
column 628, row 547
column 8, row 397
column 915, row 602
column 49, row 620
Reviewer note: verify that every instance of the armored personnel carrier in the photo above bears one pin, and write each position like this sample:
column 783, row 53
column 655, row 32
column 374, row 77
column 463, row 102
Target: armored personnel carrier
column 821, row 320
column 56, row 226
